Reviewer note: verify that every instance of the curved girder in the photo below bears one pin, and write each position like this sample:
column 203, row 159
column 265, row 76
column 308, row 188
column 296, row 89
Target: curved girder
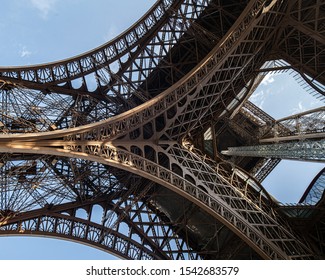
column 122, row 221
column 315, row 191
column 129, row 199
column 72, row 229
column 120, row 84
column 117, row 72
column 174, row 98
column 245, row 49
column 123, row 238
column 215, row 190
column 66, row 70
column 301, row 40
column 222, row 199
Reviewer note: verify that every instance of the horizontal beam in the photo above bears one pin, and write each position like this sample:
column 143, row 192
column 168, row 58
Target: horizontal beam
column 303, row 150
column 294, row 137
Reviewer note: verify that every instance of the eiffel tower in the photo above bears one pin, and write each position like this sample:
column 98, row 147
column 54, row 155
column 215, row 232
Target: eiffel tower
column 153, row 132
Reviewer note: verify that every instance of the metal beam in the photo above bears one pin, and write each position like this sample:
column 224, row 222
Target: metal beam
column 307, row 150
column 306, row 30
column 306, row 125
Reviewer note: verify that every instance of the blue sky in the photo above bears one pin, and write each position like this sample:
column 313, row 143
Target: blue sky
column 38, row 31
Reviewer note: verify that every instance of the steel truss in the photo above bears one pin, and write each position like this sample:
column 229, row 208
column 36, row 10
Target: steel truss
column 137, row 234
column 306, row 125
column 103, row 159
column 314, row 193
column 308, row 150
column 299, row 137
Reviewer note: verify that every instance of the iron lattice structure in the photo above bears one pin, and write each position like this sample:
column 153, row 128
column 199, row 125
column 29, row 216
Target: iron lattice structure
column 122, row 147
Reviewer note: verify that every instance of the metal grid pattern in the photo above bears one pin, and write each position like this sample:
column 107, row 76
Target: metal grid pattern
column 116, row 142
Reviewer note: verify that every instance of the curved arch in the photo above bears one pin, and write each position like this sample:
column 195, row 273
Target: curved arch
column 71, row 68
column 85, row 232
column 314, row 193
column 138, row 242
column 159, row 23
column 120, row 124
column 220, row 205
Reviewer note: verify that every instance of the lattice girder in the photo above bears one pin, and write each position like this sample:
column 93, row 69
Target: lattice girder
column 127, row 192
column 124, row 214
column 306, row 150
column 128, row 81
column 68, row 70
column 305, row 125
column 302, row 40
column 170, row 99
column 120, row 69
column 314, row 193
column 63, row 222
column 146, row 139
column 217, row 191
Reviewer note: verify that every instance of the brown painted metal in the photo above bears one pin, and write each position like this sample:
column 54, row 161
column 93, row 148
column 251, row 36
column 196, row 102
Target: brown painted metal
column 127, row 146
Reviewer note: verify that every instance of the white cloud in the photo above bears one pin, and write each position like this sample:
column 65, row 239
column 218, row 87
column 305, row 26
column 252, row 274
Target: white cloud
column 268, row 79
column 24, row 52
column 300, row 108
column 44, row 6
column 258, row 98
